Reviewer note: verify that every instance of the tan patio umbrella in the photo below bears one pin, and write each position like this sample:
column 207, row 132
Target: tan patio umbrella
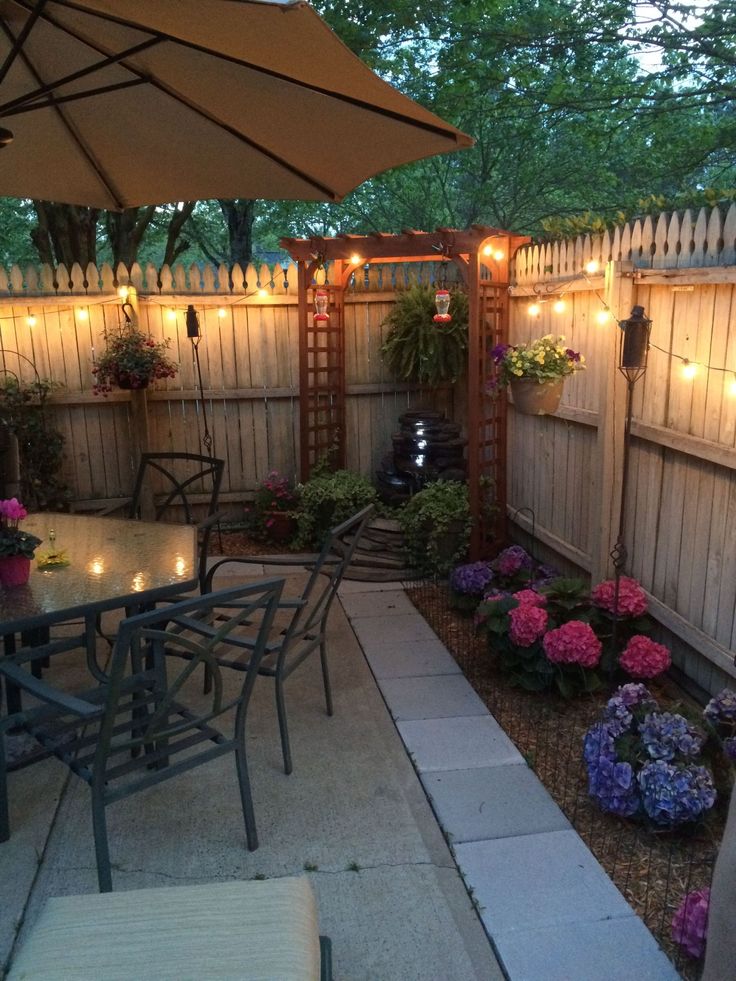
column 117, row 103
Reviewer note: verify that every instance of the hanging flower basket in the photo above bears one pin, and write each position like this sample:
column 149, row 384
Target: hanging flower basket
column 534, row 397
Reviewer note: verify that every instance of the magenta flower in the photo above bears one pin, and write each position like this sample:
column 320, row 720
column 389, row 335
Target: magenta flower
column 643, row 658
column 573, row 643
column 632, row 600
column 690, row 922
column 527, row 624
column 530, row 597
column 12, row 511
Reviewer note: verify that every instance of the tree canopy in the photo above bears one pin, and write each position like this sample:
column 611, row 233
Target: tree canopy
column 578, row 107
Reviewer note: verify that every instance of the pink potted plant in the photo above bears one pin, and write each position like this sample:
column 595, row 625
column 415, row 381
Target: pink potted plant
column 16, row 546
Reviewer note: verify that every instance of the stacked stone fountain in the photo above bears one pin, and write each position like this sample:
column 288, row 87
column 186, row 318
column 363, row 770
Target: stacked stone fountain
column 428, row 447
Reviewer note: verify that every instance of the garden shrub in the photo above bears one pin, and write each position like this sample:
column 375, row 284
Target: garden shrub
column 327, row 499
column 436, row 525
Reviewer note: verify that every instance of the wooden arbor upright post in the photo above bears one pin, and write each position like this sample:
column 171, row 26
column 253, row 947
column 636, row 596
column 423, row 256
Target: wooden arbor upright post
column 482, row 254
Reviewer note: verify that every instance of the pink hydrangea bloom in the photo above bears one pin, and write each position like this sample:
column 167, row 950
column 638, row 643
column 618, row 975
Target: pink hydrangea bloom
column 632, row 600
column 527, row 623
column 690, row 922
column 12, row 510
column 573, row 643
column 529, row 597
column 643, row 658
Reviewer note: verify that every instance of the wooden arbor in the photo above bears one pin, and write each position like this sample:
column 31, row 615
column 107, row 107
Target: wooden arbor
column 482, row 254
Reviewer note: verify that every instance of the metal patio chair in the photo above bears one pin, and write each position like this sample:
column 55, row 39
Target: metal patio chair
column 305, row 630
column 148, row 721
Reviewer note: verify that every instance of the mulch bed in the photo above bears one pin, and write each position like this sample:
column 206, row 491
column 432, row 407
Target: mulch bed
column 653, row 870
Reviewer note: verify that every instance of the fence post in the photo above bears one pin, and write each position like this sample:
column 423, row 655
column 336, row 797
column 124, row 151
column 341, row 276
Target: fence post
column 607, row 473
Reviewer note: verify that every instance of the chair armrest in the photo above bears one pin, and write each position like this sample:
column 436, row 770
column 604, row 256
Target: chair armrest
column 46, row 693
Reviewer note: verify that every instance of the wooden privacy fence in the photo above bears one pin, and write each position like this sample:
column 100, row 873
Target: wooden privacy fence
column 53, row 321
column 680, row 522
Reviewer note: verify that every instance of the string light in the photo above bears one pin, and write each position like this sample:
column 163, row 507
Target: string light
column 559, row 306
column 732, row 387
column 124, row 292
column 31, row 320
column 497, row 254
column 221, row 312
column 689, row 369
column 262, row 292
column 603, row 316
column 82, row 313
column 534, row 309
column 591, row 267
column 171, row 313
column 356, row 259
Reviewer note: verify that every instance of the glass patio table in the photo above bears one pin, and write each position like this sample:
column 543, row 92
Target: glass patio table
column 113, row 564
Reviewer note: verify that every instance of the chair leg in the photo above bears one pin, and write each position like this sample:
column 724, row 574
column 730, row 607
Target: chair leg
column 281, row 710
column 102, row 848
column 246, row 797
column 326, row 677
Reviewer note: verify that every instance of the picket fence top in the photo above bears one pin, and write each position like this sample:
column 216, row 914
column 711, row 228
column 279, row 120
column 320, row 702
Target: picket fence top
column 673, row 240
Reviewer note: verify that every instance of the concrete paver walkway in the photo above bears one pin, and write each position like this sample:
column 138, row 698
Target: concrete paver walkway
column 550, row 909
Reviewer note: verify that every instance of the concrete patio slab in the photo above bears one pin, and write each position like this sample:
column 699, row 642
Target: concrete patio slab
column 435, row 697
column 412, row 660
column 376, row 633
column 388, row 602
column 492, row 802
column 608, row 950
column 457, row 744
column 352, row 813
column 350, row 586
column 538, row 881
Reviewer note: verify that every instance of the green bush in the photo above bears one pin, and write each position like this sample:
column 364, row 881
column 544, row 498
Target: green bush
column 25, row 414
column 326, row 500
column 436, row 524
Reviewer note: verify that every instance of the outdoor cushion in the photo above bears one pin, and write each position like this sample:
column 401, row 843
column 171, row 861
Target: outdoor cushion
column 251, row 931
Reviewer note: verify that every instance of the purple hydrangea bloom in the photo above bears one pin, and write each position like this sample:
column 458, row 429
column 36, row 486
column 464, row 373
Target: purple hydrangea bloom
column 664, row 735
column 599, row 744
column 617, row 713
column 471, row 579
column 672, row 795
column 722, row 707
column 511, row 560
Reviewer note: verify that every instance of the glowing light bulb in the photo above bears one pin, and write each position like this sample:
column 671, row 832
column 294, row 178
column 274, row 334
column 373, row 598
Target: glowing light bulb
column 262, row 292
column 499, row 254
column 171, row 314
column 123, row 292
column 534, row 309
column 487, row 250
column 689, row 369
column 591, row 267
column 356, row 259
column 222, row 312
column 732, row 387
column 559, row 306
column 31, row 320
column 82, row 313
column 603, row 316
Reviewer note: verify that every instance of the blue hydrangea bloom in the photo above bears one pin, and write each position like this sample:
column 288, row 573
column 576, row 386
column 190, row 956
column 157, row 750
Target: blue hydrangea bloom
column 672, row 795
column 666, row 734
